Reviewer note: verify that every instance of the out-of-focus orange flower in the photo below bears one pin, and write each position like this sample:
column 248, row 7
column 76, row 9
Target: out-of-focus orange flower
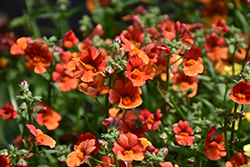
column 126, row 94
column 8, row 112
column 6, row 40
column 151, row 53
column 182, row 31
column 134, row 34
column 137, row 71
column 113, row 113
column 95, row 88
column 150, row 121
column 218, row 54
column 82, row 149
column 192, row 62
column 110, row 160
column 3, row 62
column 69, row 39
column 128, row 148
column 19, row 47
column 50, row 119
column 166, row 164
column 215, row 10
column 215, row 148
column 86, row 66
column 38, row 57
column 85, row 44
column 41, row 138
column 65, row 79
column 187, row 82
column 241, row 93
column 239, row 159
column 91, row 4
column 183, row 133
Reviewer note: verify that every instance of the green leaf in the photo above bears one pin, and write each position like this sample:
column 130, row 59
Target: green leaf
column 243, row 21
column 218, row 131
column 18, row 21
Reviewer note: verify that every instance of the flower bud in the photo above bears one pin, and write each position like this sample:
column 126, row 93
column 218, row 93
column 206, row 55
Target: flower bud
column 100, row 142
column 190, row 161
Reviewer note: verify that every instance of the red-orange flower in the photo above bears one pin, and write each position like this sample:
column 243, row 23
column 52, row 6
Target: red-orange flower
column 134, row 34
column 186, row 83
column 65, row 79
column 239, row 159
column 183, row 132
column 38, row 57
column 111, row 160
column 88, row 64
column 7, row 40
column 241, row 93
column 137, row 71
column 8, row 112
column 82, row 149
column 213, row 40
column 192, row 62
column 41, row 138
column 150, row 121
column 128, row 148
column 219, row 26
column 215, row 148
column 126, row 94
column 166, row 164
column 3, row 161
column 50, row 119
column 19, row 47
column 69, row 40
column 95, row 88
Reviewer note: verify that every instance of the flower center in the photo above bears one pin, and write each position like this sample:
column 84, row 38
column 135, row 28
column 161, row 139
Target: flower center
column 135, row 73
column 80, row 155
column 184, row 134
column 38, row 59
column 89, row 67
column 190, row 62
column 184, row 84
column 151, row 120
column 68, row 43
column 240, row 95
column 126, row 100
column 128, row 152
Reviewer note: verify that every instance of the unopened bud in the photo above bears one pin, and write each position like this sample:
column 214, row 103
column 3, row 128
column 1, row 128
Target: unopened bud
column 60, row 160
column 243, row 114
column 30, row 42
column 190, row 161
column 100, row 142
column 43, row 110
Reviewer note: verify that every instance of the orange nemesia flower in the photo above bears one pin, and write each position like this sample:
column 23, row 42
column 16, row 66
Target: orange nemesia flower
column 8, row 112
column 186, row 83
column 241, row 93
column 166, row 164
column 87, row 64
column 82, row 149
column 69, row 40
column 50, row 119
column 134, row 34
column 215, row 148
column 183, row 132
column 94, row 88
column 137, row 71
column 64, row 78
column 239, row 159
column 38, row 57
column 128, row 148
column 126, row 94
column 150, row 121
column 42, row 139
column 192, row 62
column 19, row 47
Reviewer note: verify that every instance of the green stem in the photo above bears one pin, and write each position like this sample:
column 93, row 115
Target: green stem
column 33, row 25
column 234, row 59
column 225, row 95
column 238, row 131
column 246, row 56
column 97, row 100
column 87, row 121
column 101, row 162
column 225, row 135
column 107, row 99
column 168, row 73
column 116, row 161
column 177, row 108
column 232, row 129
